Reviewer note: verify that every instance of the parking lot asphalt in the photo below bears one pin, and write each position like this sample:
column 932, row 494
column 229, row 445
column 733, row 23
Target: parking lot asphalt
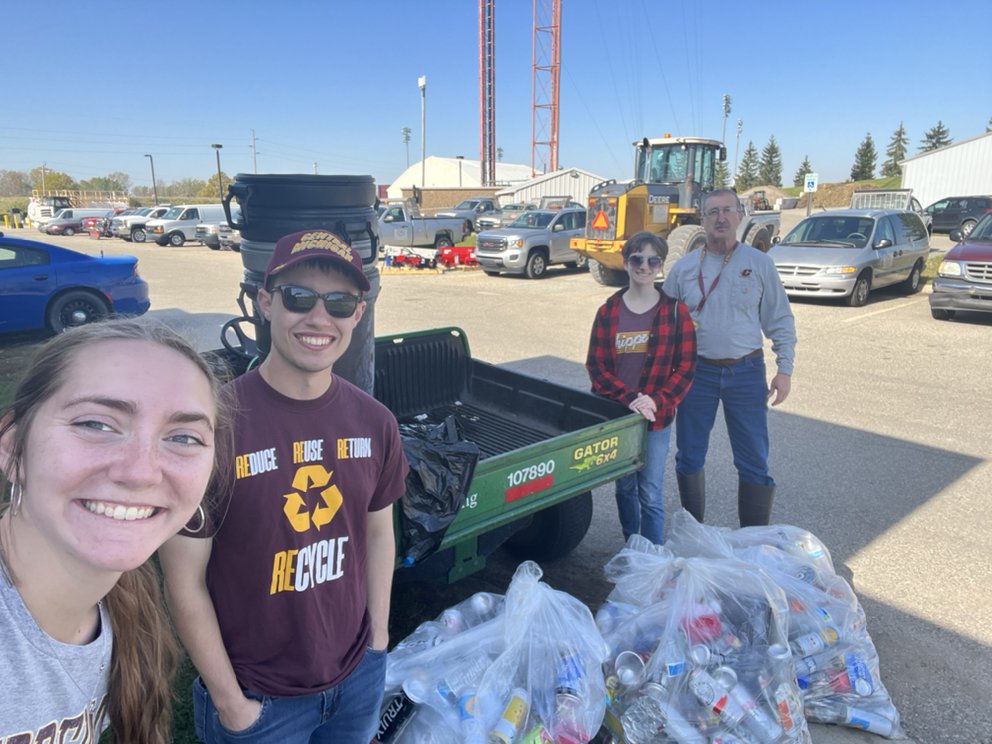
column 883, row 450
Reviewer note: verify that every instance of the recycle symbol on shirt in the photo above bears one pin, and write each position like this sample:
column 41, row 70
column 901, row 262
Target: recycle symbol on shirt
column 307, row 478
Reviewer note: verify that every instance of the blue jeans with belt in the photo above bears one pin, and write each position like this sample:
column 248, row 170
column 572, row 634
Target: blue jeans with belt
column 743, row 390
column 639, row 495
column 347, row 713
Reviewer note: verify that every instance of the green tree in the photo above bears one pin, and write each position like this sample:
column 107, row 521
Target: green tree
column 53, row 180
column 14, row 183
column 934, row 139
column 183, row 188
column 770, row 170
column 720, row 174
column 896, row 151
column 747, row 172
column 800, row 178
column 109, row 182
column 988, row 127
column 864, row 160
column 210, row 189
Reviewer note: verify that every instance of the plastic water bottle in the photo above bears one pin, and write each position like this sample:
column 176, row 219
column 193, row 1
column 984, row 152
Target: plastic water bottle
column 850, row 716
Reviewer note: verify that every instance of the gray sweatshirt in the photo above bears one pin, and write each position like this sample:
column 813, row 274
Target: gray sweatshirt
column 48, row 688
column 748, row 300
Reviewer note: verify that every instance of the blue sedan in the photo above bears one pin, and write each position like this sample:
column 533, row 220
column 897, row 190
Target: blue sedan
column 45, row 286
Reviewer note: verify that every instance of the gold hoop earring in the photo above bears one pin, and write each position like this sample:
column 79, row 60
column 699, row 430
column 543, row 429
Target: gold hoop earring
column 203, row 521
column 16, row 496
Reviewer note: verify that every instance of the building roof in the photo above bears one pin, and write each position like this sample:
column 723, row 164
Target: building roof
column 442, row 172
column 946, row 147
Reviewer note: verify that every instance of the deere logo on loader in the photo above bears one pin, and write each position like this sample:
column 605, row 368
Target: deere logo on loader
column 600, row 222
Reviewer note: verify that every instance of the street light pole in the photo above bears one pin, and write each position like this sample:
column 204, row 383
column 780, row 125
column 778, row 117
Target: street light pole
column 422, row 84
column 154, row 186
column 737, row 149
column 459, row 158
column 220, row 183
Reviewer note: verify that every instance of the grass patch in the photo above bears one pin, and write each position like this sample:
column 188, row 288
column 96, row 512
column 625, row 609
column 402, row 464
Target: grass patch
column 930, row 267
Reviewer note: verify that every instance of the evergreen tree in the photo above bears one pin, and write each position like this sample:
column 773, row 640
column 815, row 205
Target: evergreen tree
column 896, row 151
column 770, row 170
column 988, row 127
column 747, row 173
column 720, row 174
column 864, row 160
column 800, row 178
column 935, row 138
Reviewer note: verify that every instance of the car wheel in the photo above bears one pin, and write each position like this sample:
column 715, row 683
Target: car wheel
column 236, row 247
column 914, row 282
column 490, row 272
column 966, row 227
column 75, row 309
column 213, row 247
column 581, row 262
column 757, row 237
column 138, row 235
column 69, row 231
column 442, row 241
column 862, row 287
column 607, row 277
column 941, row 314
column 537, row 265
column 176, row 239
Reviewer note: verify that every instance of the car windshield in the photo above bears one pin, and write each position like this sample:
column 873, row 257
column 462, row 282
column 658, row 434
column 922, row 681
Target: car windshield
column 983, row 230
column 533, row 220
column 173, row 213
column 841, row 231
column 467, row 204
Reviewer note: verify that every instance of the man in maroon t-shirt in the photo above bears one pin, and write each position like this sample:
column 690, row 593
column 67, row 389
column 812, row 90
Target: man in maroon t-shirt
column 282, row 600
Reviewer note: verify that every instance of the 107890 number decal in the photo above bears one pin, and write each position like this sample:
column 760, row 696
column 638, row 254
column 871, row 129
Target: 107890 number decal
column 532, row 472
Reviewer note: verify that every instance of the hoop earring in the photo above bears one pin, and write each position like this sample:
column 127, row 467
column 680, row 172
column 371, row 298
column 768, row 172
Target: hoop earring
column 203, row 521
column 16, row 496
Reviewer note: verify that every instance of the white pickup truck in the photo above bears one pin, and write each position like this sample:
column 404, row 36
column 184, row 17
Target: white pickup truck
column 401, row 225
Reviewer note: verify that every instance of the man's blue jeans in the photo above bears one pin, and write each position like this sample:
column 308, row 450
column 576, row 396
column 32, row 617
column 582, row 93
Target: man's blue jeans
column 639, row 496
column 743, row 390
column 345, row 714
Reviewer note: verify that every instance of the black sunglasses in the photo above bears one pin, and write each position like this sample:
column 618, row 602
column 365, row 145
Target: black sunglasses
column 637, row 260
column 301, row 300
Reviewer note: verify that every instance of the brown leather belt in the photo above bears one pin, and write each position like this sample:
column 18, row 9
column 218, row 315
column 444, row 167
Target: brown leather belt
column 729, row 362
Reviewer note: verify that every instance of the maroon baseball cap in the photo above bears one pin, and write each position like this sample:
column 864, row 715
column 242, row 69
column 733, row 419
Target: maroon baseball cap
column 300, row 246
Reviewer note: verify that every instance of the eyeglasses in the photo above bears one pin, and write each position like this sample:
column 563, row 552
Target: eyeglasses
column 301, row 300
column 637, row 261
column 717, row 211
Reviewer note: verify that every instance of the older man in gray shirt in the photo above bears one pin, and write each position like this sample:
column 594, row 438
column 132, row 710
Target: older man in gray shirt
column 734, row 296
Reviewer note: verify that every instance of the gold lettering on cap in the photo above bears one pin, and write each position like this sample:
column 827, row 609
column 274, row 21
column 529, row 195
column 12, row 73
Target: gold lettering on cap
column 324, row 241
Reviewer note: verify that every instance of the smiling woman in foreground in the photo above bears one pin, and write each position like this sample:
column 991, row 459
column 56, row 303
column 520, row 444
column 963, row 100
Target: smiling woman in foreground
column 105, row 453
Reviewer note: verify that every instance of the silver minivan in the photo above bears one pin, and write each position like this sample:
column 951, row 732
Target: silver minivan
column 846, row 253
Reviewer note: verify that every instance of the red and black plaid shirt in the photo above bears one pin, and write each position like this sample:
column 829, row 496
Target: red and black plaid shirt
column 669, row 363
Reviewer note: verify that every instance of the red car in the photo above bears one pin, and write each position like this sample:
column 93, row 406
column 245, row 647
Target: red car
column 964, row 277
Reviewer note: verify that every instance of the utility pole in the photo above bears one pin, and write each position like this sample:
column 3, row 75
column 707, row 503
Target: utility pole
column 737, row 148
column 726, row 113
column 405, row 131
column 154, row 185
column 254, row 153
column 315, row 167
column 422, row 84
column 43, row 165
column 220, row 182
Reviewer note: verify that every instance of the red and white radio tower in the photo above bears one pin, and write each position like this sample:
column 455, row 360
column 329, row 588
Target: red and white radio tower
column 487, row 92
column 544, row 86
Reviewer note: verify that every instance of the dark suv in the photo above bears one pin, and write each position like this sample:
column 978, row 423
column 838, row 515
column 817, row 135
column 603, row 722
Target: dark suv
column 964, row 277
column 959, row 213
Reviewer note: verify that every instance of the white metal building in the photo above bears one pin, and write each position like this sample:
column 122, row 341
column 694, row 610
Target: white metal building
column 573, row 182
column 446, row 173
column 960, row 169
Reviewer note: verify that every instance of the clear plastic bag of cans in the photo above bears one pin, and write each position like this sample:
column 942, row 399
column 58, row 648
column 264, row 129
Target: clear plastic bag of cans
column 547, row 685
column 707, row 660
column 836, row 664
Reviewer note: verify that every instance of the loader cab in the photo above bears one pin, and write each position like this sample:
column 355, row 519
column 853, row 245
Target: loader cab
column 684, row 167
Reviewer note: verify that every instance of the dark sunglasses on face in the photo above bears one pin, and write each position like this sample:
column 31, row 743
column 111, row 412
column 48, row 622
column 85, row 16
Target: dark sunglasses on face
column 302, row 300
column 637, row 261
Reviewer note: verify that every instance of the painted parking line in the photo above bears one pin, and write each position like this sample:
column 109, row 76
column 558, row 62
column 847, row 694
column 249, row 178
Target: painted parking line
column 886, row 309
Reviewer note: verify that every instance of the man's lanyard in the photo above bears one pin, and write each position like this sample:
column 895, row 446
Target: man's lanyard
column 699, row 277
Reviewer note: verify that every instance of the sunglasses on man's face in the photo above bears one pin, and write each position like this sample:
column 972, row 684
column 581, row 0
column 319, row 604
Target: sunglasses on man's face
column 302, row 300
column 637, row 261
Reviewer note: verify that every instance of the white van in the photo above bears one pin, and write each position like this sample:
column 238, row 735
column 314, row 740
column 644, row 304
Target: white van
column 72, row 213
column 178, row 225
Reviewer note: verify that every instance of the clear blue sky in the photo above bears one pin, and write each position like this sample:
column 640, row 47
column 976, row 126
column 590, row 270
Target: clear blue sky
column 100, row 83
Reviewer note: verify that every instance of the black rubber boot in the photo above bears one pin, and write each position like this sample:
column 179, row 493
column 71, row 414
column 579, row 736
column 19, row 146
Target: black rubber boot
column 754, row 503
column 692, row 492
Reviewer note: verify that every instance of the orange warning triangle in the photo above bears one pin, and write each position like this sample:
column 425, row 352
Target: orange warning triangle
column 600, row 222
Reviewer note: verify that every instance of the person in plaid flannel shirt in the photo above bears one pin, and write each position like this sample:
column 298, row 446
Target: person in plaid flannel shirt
column 642, row 353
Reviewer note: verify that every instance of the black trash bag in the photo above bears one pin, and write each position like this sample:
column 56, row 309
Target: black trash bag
column 441, row 468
